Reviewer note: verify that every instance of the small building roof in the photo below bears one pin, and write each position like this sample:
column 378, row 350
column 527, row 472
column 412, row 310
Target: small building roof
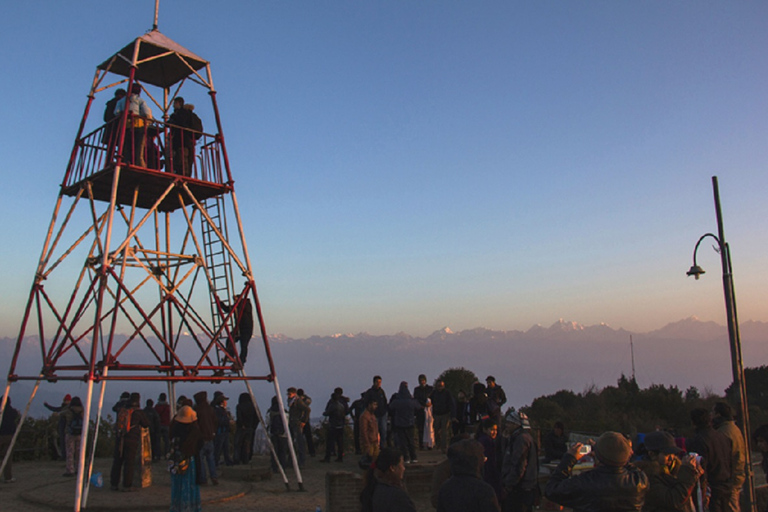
column 160, row 61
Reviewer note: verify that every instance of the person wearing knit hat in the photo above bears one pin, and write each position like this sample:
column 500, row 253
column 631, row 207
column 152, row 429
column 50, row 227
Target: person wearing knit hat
column 613, row 485
column 520, row 466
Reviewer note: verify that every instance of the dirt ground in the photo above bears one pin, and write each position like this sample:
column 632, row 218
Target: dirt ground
column 40, row 486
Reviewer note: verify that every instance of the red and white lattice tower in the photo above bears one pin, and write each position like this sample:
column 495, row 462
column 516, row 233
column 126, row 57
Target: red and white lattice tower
column 141, row 278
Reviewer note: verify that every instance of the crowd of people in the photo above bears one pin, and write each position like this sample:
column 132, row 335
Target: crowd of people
column 493, row 462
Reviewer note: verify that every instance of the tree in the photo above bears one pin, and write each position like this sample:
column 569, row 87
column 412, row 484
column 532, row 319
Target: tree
column 458, row 379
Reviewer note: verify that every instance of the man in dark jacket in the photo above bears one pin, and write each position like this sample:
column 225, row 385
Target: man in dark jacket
column 376, row 394
column 421, row 393
column 403, row 408
column 520, row 466
column 336, row 411
column 555, row 442
column 182, row 138
column 465, row 491
column 715, row 450
column 245, row 428
column 443, row 413
column 128, row 442
column 496, row 396
column 613, row 486
column 206, row 418
column 298, row 416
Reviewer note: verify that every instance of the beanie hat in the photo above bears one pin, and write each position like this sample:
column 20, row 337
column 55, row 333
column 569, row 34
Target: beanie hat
column 186, row 415
column 661, row 442
column 67, row 397
column 518, row 418
column 612, row 449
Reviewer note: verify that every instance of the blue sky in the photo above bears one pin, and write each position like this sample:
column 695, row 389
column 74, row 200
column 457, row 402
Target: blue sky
column 404, row 166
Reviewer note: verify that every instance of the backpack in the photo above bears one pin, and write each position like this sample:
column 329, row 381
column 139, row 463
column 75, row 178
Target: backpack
column 76, row 425
column 196, row 124
column 124, row 420
column 177, row 463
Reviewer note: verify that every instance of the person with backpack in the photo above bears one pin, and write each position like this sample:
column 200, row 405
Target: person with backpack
column 130, row 420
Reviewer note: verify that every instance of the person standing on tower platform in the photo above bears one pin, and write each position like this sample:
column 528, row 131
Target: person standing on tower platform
column 134, row 151
column 182, row 144
column 111, row 126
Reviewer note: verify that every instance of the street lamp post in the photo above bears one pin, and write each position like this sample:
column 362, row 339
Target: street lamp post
column 737, row 366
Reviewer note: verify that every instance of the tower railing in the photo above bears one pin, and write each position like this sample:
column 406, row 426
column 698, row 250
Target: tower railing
column 147, row 146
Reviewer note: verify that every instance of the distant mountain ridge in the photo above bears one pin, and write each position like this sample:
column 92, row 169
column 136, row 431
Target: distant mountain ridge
column 528, row 364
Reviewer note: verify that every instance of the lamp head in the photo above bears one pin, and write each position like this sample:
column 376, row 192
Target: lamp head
column 695, row 271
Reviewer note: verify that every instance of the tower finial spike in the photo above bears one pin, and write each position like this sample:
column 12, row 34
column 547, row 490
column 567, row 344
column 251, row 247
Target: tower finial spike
column 157, row 10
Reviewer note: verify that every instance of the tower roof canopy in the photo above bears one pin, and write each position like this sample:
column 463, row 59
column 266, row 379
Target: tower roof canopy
column 159, row 60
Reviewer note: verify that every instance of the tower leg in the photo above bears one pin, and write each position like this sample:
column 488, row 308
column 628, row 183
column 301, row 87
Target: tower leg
column 95, row 440
column 83, row 446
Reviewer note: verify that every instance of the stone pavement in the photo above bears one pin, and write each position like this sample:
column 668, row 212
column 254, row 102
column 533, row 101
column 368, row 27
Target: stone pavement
column 40, row 487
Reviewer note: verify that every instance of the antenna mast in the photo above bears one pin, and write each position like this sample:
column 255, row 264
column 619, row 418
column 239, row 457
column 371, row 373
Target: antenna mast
column 157, row 10
column 632, row 351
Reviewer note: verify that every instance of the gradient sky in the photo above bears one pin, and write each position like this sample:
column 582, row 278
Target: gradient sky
column 404, row 166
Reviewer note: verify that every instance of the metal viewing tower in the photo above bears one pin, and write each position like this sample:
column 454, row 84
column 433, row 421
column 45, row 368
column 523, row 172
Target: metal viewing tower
column 141, row 276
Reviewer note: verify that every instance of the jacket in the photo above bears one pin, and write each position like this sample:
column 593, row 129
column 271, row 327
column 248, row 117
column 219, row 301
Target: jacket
column 520, row 467
column 603, row 489
column 465, row 491
column 369, row 430
column 667, row 492
column 206, row 416
column 403, row 408
column 715, row 448
column 336, row 412
column 738, row 451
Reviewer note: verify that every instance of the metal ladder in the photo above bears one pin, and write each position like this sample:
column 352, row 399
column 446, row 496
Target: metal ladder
column 217, row 259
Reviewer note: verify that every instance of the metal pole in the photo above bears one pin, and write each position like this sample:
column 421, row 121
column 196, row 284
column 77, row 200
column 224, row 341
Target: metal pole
column 734, row 337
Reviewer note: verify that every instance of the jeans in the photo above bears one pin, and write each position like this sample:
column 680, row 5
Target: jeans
column 207, row 459
column 382, row 420
column 299, row 444
column 404, row 442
